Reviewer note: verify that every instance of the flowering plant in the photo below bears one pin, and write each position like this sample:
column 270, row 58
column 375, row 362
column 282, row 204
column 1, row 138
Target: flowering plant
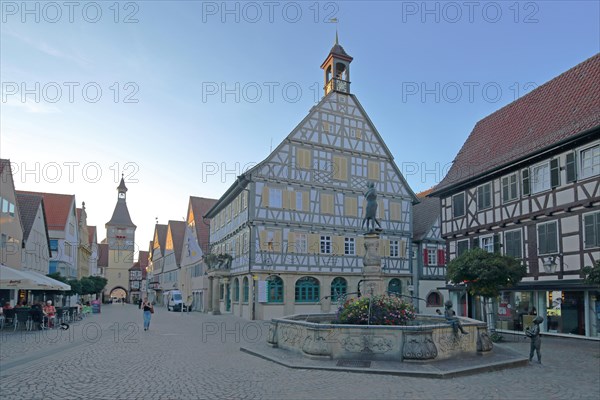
column 385, row 310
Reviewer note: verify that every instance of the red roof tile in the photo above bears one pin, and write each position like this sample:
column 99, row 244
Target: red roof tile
column 559, row 109
column 58, row 207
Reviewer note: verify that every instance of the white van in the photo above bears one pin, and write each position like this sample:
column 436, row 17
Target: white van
column 174, row 300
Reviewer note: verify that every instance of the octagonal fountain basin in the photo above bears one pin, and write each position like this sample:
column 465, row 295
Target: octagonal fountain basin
column 427, row 338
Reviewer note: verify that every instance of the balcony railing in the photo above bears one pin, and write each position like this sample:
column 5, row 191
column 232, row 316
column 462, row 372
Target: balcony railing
column 339, row 85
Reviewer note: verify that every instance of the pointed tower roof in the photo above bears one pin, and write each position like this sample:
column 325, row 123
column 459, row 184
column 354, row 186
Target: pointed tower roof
column 338, row 50
column 121, row 216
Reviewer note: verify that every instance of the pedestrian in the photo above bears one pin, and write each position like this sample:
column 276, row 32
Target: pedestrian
column 536, row 341
column 148, row 311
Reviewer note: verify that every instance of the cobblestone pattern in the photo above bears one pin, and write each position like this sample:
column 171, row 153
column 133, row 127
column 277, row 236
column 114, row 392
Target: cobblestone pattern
column 196, row 356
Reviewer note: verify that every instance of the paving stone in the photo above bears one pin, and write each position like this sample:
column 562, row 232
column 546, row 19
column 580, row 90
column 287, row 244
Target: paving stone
column 197, row 356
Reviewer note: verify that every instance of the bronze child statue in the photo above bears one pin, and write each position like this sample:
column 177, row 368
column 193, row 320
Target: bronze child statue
column 536, row 342
column 453, row 319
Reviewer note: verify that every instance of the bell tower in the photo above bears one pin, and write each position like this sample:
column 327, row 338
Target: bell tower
column 120, row 234
column 337, row 69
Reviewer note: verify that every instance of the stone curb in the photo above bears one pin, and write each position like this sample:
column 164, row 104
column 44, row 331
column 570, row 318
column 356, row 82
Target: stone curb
column 296, row 361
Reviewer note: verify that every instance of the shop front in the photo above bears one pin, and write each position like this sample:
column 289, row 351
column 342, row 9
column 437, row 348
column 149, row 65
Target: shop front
column 568, row 308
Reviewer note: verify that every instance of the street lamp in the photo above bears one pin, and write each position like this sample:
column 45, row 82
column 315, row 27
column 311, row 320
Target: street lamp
column 550, row 264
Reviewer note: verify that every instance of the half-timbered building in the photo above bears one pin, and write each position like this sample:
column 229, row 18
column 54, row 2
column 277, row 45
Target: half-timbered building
column 527, row 183
column 292, row 224
column 429, row 254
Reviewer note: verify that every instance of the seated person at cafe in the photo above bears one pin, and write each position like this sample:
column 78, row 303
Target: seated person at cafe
column 36, row 313
column 50, row 312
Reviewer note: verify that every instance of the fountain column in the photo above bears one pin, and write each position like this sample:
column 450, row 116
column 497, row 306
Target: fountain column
column 372, row 272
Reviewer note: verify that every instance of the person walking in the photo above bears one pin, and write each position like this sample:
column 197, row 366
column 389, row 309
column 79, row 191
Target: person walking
column 536, row 342
column 148, row 311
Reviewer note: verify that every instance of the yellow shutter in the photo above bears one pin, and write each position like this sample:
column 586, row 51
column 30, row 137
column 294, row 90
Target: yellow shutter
column 326, row 203
column 380, row 209
column 373, row 170
column 265, row 196
column 305, row 201
column 358, row 133
column 338, row 245
column 326, row 127
column 350, row 207
column 291, row 245
column 303, row 158
column 314, row 244
column 286, row 200
column 263, row 240
column 384, row 248
column 340, row 168
column 403, row 248
column 394, row 211
column 277, row 241
column 292, row 200
column 360, row 246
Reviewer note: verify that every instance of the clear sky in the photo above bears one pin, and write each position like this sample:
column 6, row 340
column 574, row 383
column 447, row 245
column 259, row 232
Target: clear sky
column 182, row 96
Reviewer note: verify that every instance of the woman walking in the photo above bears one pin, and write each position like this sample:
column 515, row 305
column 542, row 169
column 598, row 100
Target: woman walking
column 148, row 311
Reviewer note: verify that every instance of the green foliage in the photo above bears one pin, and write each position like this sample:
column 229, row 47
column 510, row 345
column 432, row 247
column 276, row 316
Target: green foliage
column 87, row 284
column 592, row 274
column 385, row 310
column 485, row 273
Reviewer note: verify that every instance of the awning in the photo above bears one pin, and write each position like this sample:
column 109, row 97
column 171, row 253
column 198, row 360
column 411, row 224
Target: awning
column 11, row 278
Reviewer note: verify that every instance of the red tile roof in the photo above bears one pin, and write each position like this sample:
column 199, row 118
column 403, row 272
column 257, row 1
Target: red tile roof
column 177, row 231
column 103, row 255
column 58, row 208
column 559, row 109
column 200, row 207
column 92, row 234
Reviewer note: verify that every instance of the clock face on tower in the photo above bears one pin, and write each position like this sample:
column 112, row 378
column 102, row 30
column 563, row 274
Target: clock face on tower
column 121, row 195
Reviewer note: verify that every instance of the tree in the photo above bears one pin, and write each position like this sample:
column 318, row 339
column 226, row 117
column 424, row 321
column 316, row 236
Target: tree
column 485, row 274
column 99, row 283
column 592, row 274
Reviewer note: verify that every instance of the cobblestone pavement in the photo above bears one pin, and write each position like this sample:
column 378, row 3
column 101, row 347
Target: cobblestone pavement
column 197, row 356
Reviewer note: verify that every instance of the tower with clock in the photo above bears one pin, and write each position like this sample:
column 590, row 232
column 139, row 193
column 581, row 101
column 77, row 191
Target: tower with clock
column 120, row 234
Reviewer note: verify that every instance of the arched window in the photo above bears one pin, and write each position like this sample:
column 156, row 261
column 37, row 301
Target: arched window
column 236, row 289
column 307, row 290
column 246, row 290
column 434, row 299
column 395, row 286
column 339, row 288
column 274, row 289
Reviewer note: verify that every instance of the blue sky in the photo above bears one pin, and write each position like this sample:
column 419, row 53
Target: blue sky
column 182, row 96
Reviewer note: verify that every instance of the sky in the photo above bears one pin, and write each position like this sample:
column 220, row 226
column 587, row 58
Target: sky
column 180, row 97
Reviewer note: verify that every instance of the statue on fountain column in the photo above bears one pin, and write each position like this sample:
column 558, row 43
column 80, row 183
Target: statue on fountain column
column 371, row 213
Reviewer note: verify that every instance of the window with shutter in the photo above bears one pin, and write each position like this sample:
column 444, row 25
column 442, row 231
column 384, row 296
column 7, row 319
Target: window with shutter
column 547, row 238
column 441, row 257
column 554, row 173
column 540, row 177
column 458, row 205
column 512, row 244
column 525, row 182
column 484, row 196
column 590, row 161
column 509, row 188
column 571, row 167
column 591, row 224
column 461, row 247
column 340, row 168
